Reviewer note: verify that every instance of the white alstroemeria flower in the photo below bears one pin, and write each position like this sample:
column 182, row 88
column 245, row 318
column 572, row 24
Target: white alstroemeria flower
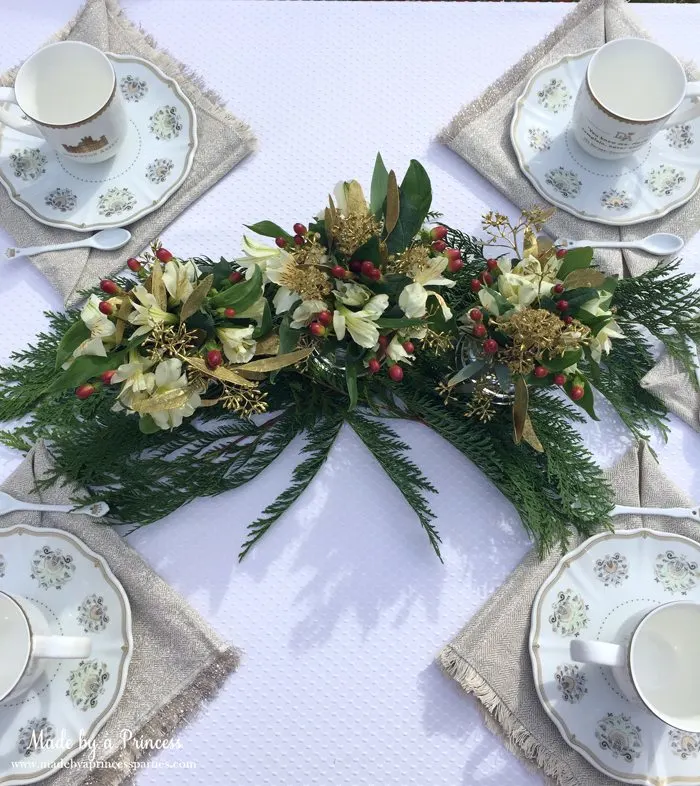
column 351, row 294
column 521, row 291
column 414, row 297
column 147, row 312
column 529, row 279
column 101, row 329
column 306, row 313
column 133, row 374
column 170, row 376
column 275, row 272
column 179, row 278
column 396, row 352
column 360, row 324
column 258, row 255
column 602, row 341
column 239, row 344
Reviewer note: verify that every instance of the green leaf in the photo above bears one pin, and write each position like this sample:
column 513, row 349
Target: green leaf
column 380, row 179
column 72, row 339
column 147, row 425
column 351, row 383
column 575, row 259
column 269, row 229
column 241, row 295
column 414, row 204
column 560, row 362
column 399, row 322
column 586, row 403
column 83, row 369
column 265, row 325
column 391, row 211
column 202, row 320
column 578, row 297
column 467, row 372
column 289, row 338
column 369, row 251
column 520, row 405
column 503, row 305
column 585, row 277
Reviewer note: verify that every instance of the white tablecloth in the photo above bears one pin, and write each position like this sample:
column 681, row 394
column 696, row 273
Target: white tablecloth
column 342, row 608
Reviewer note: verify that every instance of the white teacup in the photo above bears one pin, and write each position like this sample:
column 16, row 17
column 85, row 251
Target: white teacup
column 633, row 89
column 659, row 666
column 24, row 644
column 68, row 93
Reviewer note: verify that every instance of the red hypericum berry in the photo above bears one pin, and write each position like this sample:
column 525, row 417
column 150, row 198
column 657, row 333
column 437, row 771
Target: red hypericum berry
column 106, row 307
column 438, row 233
column 561, row 253
column 317, row 329
column 338, row 271
column 408, row 346
column 540, row 372
column 367, row 267
column 487, row 278
column 568, row 320
column 133, row 264
column 299, row 229
column 439, row 246
column 475, row 315
column 453, row 253
column 85, row 391
column 491, row 264
column 325, row 318
column 562, row 305
column 577, row 392
column 559, row 379
column 455, row 265
column 558, row 289
column 298, row 240
column 476, row 285
column 229, row 313
column 376, row 274
column 109, row 286
column 106, row 376
column 281, row 242
column 479, row 330
column 490, row 346
column 383, row 342
column 214, row 358
column 374, row 366
column 396, row 373
column 235, row 277
column 356, row 266
column 164, row 255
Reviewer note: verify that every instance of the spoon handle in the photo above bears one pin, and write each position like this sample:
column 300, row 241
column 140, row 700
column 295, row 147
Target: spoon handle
column 674, row 513
column 598, row 244
column 30, row 251
column 96, row 510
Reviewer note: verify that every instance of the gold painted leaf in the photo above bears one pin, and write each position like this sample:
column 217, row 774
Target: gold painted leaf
column 531, row 437
column 270, row 345
column 162, row 402
column 222, row 373
column 331, row 208
column 520, row 409
column 357, row 204
column 328, row 222
column 584, row 277
column 392, row 203
column 277, row 362
column 122, row 319
column 194, row 301
column 530, row 247
column 158, row 287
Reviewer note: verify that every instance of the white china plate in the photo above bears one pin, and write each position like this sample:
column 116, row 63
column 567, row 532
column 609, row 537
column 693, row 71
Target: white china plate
column 661, row 177
column 151, row 164
column 71, row 701
column 598, row 592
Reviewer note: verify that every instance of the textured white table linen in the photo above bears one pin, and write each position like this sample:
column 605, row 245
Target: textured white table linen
column 342, row 608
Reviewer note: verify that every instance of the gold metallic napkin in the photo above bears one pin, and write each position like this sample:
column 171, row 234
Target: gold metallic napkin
column 178, row 660
column 480, row 133
column 223, row 142
column 490, row 657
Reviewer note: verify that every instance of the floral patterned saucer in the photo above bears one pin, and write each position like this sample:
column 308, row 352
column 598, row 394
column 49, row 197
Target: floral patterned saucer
column 661, row 177
column 151, row 164
column 593, row 593
column 78, row 595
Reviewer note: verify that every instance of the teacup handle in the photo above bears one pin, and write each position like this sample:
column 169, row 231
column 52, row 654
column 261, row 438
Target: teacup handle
column 7, row 94
column 598, row 652
column 682, row 116
column 61, row 646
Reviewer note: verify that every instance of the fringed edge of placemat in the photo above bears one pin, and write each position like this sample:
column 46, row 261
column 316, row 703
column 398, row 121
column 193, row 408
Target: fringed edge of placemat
column 166, row 721
column 501, row 721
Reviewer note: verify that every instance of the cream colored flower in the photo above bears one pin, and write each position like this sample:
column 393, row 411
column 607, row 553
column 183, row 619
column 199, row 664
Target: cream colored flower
column 351, row 294
column 360, row 324
column 528, row 280
column 414, row 297
column 179, row 278
column 169, row 376
column 396, row 352
column 601, row 342
column 306, row 313
column 133, row 374
column 147, row 313
column 101, row 330
column 258, row 255
column 239, row 344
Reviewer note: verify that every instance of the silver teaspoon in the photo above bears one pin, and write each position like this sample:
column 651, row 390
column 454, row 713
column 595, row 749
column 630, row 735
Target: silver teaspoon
column 661, row 244
column 8, row 504
column 104, row 240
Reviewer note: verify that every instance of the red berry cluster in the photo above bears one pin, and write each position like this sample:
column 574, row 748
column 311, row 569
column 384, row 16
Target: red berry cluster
column 487, row 275
column 577, row 391
column 395, row 372
column 322, row 321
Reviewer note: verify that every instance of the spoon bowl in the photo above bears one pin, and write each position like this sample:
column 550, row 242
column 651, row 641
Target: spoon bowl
column 110, row 239
column 662, row 243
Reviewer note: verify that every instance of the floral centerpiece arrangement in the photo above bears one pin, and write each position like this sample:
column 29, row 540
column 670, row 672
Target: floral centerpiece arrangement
column 188, row 377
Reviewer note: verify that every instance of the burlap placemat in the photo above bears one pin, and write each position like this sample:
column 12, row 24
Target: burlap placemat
column 480, row 134
column 490, row 657
column 178, row 660
column 223, row 142
column 670, row 383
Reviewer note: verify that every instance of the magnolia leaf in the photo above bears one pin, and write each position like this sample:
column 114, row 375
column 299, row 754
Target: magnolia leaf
column 530, row 436
column 545, row 247
column 277, row 362
column 197, row 298
column 575, row 259
column 162, row 402
column 379, row 186
column 357, row 204
column 83, row 369
column 467, row 372
column 241, row 296
column 158, row 287
column 123, row 312
column 584, row 277
column 269, row 229
column 415, row 196
column 392, row 203
column 328, row 222
column 270, row 345
column 221, row 373
column 530, row 246
column 351, row 383
column 332, row 209
column 520, row 409
column 72, row 339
